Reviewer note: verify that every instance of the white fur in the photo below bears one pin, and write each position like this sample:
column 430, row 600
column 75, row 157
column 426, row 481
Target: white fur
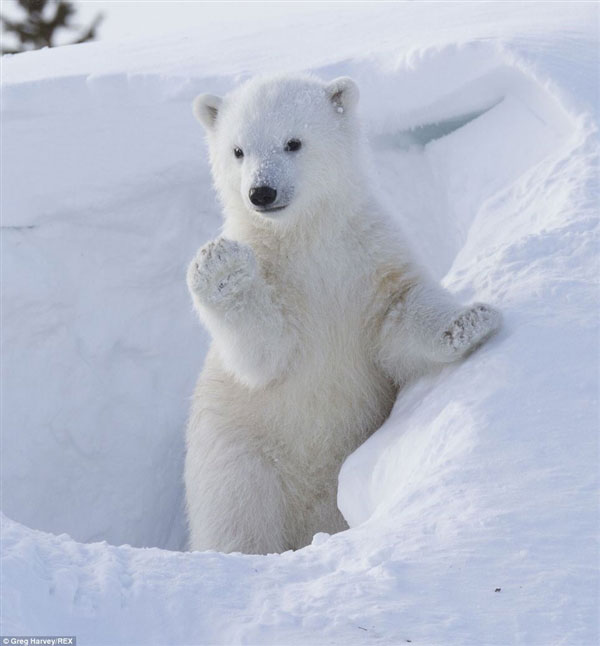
column 318, row 315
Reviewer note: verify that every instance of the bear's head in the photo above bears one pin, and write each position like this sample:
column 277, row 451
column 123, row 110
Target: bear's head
column 283, row 148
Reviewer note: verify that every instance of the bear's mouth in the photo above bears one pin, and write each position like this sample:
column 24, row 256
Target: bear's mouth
column 270, row 209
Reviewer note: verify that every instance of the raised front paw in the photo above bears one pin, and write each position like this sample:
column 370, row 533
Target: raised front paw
column 221, row 271
column 468, row 330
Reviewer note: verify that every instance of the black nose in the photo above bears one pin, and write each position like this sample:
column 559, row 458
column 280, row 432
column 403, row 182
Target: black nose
column 262, row 195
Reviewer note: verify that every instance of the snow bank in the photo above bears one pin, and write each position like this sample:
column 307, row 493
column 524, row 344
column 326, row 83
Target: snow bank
column 484, row 476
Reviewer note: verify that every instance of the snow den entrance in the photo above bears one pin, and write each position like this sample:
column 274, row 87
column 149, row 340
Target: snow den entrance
column 101, row 348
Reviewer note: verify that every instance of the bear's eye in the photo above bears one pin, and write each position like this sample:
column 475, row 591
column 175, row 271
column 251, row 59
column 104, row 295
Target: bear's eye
column 238, row 152
column 293, row 145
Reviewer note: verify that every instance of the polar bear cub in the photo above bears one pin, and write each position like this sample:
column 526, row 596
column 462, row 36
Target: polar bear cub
column 317, row 312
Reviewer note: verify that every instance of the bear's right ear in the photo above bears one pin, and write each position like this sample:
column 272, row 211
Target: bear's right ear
column 206, row 108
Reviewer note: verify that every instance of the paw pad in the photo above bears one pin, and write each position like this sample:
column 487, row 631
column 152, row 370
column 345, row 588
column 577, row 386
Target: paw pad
column 470, row 328
column 221, row 270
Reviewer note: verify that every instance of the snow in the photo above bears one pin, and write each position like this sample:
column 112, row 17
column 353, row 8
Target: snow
column 482, row 118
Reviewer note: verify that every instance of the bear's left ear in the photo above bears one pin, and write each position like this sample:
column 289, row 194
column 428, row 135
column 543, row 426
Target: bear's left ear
column 343, row 93
column 206, row 108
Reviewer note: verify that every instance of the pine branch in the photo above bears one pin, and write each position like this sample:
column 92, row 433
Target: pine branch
column 90, row 33
column 35, row 30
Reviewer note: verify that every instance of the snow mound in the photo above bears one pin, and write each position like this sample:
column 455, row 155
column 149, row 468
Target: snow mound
column 483, row 477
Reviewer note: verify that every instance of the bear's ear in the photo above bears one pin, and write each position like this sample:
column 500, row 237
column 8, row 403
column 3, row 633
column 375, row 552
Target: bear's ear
column 206, row 108
column 343, row 93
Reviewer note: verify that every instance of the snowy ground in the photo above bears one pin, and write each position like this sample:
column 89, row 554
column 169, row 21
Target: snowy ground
column 484, row 477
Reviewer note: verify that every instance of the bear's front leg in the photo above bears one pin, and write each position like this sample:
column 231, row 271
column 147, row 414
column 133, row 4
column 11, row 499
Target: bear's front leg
column 241, row 312
column 427, row 327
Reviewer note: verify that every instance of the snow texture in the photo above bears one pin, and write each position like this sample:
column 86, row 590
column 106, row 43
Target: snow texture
column 482, row 122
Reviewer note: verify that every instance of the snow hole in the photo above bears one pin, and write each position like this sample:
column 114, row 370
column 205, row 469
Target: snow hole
column 101, row 348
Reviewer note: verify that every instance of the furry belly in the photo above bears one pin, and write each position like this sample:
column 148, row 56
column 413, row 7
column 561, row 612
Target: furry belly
column 332, row 412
